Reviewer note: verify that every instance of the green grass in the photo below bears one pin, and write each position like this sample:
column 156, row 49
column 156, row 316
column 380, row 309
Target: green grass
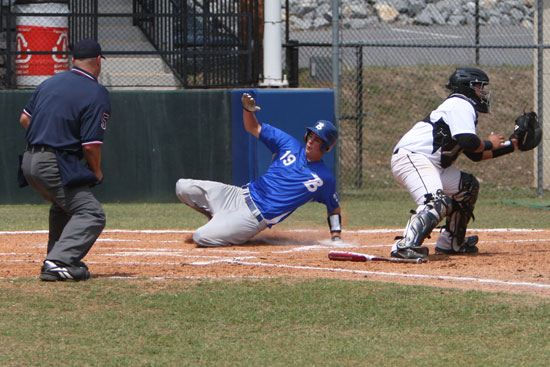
column 280, row 322
column 387, row 210
column 284, row 322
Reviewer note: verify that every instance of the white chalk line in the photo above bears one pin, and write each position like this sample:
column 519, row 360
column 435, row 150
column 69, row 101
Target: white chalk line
column 202, row 277
column 141, row 251
column 347, row 245
column 159, row 254
column 358, row 231
column 421, row 276
column 240, row 261
column 151, row 231
column 123, row 252
column 115, row 240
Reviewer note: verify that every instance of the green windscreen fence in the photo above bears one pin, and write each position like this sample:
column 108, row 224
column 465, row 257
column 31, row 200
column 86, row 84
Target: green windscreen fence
column 152, row 139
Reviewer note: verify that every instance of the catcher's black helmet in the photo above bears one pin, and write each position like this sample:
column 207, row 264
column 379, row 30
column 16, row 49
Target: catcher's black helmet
column 466, row 81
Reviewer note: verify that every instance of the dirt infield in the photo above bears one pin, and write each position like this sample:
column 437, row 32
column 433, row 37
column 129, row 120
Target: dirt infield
column 513, row 260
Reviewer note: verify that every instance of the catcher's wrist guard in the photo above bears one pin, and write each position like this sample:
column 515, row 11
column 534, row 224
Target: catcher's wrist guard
column 509, row 148
column 488, row 145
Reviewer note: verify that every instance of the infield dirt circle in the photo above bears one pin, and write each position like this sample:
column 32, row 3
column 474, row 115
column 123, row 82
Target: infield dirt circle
column 509, row 260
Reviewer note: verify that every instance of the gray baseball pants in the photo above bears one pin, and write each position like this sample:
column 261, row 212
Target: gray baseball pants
column 234, row 218
column 76, row 217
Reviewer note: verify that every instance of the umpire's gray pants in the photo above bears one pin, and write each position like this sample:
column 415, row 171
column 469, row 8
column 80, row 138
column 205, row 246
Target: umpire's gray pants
column 76, row 217
column 231, row 221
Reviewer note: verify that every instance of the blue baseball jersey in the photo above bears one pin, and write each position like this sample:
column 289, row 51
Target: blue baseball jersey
column 67, row 111
column 291, row 180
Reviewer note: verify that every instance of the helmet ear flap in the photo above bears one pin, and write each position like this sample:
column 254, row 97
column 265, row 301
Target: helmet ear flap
column 308, row 131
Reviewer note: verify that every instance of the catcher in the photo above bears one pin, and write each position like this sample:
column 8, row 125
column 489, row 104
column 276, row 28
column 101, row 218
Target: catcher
column 423, row 159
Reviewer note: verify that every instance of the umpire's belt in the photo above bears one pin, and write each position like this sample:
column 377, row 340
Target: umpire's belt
column 39, row 148
column 251, row 205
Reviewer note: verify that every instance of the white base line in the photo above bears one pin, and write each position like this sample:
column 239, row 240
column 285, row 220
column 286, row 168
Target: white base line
column 374, row 231
column 422, row 276
column 238, row 261
column 187, row 231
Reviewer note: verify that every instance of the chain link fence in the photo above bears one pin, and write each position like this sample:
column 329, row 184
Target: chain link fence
column 395, row 60
column 154, row 44
column 395, row 57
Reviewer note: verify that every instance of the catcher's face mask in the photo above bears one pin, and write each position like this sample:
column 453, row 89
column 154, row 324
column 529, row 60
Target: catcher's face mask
column 484, row 96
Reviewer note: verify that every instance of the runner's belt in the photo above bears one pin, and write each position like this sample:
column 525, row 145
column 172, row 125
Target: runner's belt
column 251, row 205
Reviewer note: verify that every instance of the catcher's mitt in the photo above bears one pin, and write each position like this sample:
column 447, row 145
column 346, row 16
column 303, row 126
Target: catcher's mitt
column 527, row 131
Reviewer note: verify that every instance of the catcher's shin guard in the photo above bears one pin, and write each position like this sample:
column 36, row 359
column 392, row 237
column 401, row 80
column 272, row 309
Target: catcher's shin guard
column 463, row 209
column 423, row 222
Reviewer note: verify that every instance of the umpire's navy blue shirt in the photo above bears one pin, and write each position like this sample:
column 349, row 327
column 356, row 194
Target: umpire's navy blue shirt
column 67, row 111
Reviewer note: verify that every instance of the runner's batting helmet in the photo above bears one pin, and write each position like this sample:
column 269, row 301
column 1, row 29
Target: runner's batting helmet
column 466, row 81
column 326, row 131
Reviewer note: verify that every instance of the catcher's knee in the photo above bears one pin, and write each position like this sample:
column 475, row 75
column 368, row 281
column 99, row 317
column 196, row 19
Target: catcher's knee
column 468, row 189
column 422, row 223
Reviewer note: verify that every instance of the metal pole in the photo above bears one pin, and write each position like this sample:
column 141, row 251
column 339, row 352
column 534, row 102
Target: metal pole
column 477, row 31
column 359, row 121
column 287, row 21
column 540, row 42
column 272, row 46
column 9, row 56
column 336, row 80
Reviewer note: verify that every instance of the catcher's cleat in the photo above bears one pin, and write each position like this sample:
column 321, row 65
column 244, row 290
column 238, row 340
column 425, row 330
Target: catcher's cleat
column 52, row 272
column 418, row 252
column 467, row 247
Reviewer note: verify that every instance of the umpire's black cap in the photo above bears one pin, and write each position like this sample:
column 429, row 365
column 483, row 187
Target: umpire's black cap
column 86, row 49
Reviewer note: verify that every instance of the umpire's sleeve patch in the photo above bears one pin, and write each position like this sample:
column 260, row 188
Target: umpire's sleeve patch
column 104, row 119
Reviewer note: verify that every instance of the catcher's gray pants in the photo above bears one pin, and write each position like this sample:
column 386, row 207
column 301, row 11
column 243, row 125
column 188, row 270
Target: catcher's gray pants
column 76, row 217
column 234, row 219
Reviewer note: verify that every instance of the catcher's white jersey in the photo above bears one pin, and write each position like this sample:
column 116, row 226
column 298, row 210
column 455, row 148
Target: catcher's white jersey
column 423, row 158
column 433, row 137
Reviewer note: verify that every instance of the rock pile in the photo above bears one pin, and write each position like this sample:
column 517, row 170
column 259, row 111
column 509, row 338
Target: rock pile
column 357, row 14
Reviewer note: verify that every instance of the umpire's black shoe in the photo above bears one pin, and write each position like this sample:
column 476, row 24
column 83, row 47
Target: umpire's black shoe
column 420, row 252
column 468, row 247
column 52, row 271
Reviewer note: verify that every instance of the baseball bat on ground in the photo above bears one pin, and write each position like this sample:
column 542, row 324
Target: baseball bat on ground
column 355, row 256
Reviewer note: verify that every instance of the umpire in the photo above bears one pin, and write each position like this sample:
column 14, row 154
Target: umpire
column 65, row 119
